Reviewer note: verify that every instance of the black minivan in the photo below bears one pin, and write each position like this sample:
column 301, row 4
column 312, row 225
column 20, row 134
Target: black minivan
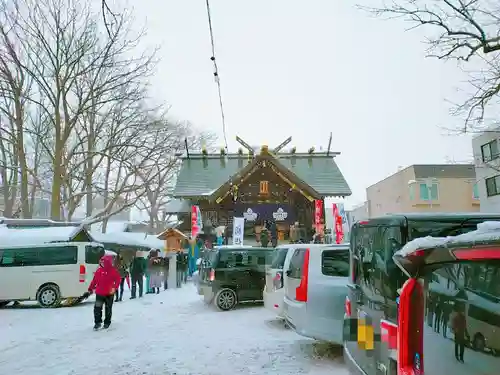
column 458, row 302
column 234, row 274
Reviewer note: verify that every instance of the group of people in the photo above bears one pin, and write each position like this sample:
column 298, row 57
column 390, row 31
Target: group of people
column 109, row 279
column 439, row 314
column 156, row 270
column 269, row 234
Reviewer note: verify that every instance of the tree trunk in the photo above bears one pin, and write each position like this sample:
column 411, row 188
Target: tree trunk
column 89, row 168
column 107, row 176
column 23, row 165
column 55, row 207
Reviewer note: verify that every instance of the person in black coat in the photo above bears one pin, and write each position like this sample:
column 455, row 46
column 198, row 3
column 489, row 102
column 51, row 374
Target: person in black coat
column 166, row 270
column 184, row 266
column 274, row 233
column 137, row 270
column 122, row 268
column 438, row 310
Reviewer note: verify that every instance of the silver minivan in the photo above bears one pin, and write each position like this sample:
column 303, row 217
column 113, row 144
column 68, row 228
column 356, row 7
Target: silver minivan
column 315, row 281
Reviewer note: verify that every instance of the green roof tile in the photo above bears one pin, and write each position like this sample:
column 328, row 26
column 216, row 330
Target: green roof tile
column 199, row 177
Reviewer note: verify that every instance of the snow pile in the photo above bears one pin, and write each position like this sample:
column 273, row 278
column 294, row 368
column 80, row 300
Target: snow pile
column 485, row 232
column 174, row 332
column 36, row 236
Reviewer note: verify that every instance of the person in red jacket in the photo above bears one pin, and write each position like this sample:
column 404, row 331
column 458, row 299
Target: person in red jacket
column 105, row 282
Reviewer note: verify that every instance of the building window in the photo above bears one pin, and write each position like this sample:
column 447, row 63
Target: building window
column 475, row 191
column 489, row 151
column 412, row 191
column 493, row 186
column 429, row 193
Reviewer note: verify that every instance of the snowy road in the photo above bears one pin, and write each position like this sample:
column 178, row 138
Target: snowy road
column 170, row 333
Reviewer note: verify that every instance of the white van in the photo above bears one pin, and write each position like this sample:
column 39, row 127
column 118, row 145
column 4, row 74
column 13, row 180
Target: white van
column 274, row 291
column 315, row 283
column 47, row 273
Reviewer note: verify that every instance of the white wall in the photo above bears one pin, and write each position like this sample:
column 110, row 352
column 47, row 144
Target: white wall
column 484, row 171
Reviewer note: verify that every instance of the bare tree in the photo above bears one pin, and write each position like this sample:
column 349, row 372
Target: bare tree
column 9, row 176
column 15, row 86
column 459, row 30
column 75, row 118
column 163, row 171
column 76, row 71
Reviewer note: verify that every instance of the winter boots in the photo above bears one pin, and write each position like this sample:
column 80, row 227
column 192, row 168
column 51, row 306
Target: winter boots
column 119, row 296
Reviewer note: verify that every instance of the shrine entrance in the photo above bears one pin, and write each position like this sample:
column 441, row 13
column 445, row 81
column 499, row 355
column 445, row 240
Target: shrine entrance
column 267, row 194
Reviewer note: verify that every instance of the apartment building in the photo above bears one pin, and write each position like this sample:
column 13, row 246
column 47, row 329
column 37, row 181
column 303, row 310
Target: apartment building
column 486, row 150
column 426, row 188
column 359, row 213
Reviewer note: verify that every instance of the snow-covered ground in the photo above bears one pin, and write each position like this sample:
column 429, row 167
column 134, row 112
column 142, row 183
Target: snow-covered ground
column 170, row 333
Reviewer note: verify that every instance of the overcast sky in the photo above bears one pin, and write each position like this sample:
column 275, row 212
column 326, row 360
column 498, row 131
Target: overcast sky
column 304, row 69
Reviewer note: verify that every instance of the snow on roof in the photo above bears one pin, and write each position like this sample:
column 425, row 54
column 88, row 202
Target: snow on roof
column 36, row 236
column 129, row 239
column 485, row 232
column 111, row 226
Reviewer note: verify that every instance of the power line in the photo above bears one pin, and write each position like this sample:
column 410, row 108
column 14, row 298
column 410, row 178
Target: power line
column 216, row 74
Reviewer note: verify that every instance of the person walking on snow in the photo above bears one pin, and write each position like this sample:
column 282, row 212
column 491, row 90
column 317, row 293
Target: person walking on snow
column 105, row 282
column 137, row 269
column 155, row 268
column 122, row 269
column 166, row 271
column 459, row 327
column 184, row 266
column 178, row 276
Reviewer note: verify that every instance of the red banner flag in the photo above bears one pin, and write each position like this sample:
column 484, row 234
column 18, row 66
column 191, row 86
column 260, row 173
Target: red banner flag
column 337, row 220
column 194, row 221
column 318, row 213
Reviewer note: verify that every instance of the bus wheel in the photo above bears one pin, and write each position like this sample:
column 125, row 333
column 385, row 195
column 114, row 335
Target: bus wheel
column 49, row 296
column 479, row 343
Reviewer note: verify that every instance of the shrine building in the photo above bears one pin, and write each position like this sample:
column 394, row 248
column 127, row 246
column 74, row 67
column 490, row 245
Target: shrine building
column 259, row 185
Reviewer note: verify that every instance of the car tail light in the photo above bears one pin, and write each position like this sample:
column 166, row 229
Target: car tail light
column 477, row 254
column 278, row 281
column 411, row 329
column 301, row 290
column 83, row 273
column 389, row 333
column 212, row 275
column 347, row 307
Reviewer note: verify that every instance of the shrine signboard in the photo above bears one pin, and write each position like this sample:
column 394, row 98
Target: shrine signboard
column 280, row 213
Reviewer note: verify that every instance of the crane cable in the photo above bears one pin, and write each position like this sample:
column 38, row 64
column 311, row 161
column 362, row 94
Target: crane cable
column 216, row 74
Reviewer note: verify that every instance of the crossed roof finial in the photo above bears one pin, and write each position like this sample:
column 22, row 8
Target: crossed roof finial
column 276, row 149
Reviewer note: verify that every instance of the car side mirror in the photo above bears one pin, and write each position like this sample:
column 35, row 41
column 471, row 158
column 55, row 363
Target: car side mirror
column 288, row 273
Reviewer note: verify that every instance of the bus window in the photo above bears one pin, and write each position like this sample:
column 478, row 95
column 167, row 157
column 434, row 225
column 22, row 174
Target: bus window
column 436, row 228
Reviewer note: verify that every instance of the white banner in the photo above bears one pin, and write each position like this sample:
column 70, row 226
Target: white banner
column 238, row 229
